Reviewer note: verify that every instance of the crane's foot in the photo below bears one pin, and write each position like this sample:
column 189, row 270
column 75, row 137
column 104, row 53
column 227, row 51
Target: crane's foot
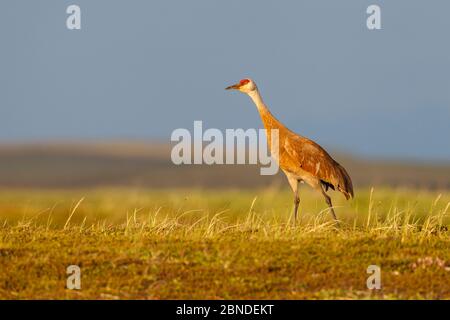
column 336, row 221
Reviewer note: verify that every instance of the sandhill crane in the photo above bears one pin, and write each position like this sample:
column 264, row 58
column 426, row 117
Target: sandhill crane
column 301, row 159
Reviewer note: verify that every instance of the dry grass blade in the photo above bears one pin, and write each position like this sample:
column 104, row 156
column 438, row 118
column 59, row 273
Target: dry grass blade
column 72, row 213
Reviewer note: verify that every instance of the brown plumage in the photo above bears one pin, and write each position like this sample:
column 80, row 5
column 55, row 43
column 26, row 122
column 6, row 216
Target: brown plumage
column 300, row 158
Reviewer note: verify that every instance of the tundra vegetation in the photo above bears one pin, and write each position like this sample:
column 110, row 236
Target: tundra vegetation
column 223, row 244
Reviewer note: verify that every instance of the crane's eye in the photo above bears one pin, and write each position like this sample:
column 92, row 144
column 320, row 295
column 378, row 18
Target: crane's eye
column 244, row 81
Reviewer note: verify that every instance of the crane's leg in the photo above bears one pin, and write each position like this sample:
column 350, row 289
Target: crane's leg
column 296, row 203
column 293, row 182
column 328, row 200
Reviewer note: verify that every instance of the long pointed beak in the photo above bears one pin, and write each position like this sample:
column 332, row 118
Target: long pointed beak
column 234, row 86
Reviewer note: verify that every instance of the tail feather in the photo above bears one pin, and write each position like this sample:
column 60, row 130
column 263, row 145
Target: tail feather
column 345, row 184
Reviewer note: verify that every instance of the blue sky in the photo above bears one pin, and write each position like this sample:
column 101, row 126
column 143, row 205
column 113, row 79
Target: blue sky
column 140, row 69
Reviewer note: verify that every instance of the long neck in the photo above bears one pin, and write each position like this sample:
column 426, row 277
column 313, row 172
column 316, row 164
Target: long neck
column 256, row 97
column 267, row 118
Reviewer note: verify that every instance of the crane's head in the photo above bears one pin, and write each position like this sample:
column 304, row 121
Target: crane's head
column 245, row 85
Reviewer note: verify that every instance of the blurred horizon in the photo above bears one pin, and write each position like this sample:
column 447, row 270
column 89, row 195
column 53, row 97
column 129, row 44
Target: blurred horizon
column 149, row 144
column 138, row 70
column 64, row 165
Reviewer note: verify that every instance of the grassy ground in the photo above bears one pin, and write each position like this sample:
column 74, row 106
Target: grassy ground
column 198, row 244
